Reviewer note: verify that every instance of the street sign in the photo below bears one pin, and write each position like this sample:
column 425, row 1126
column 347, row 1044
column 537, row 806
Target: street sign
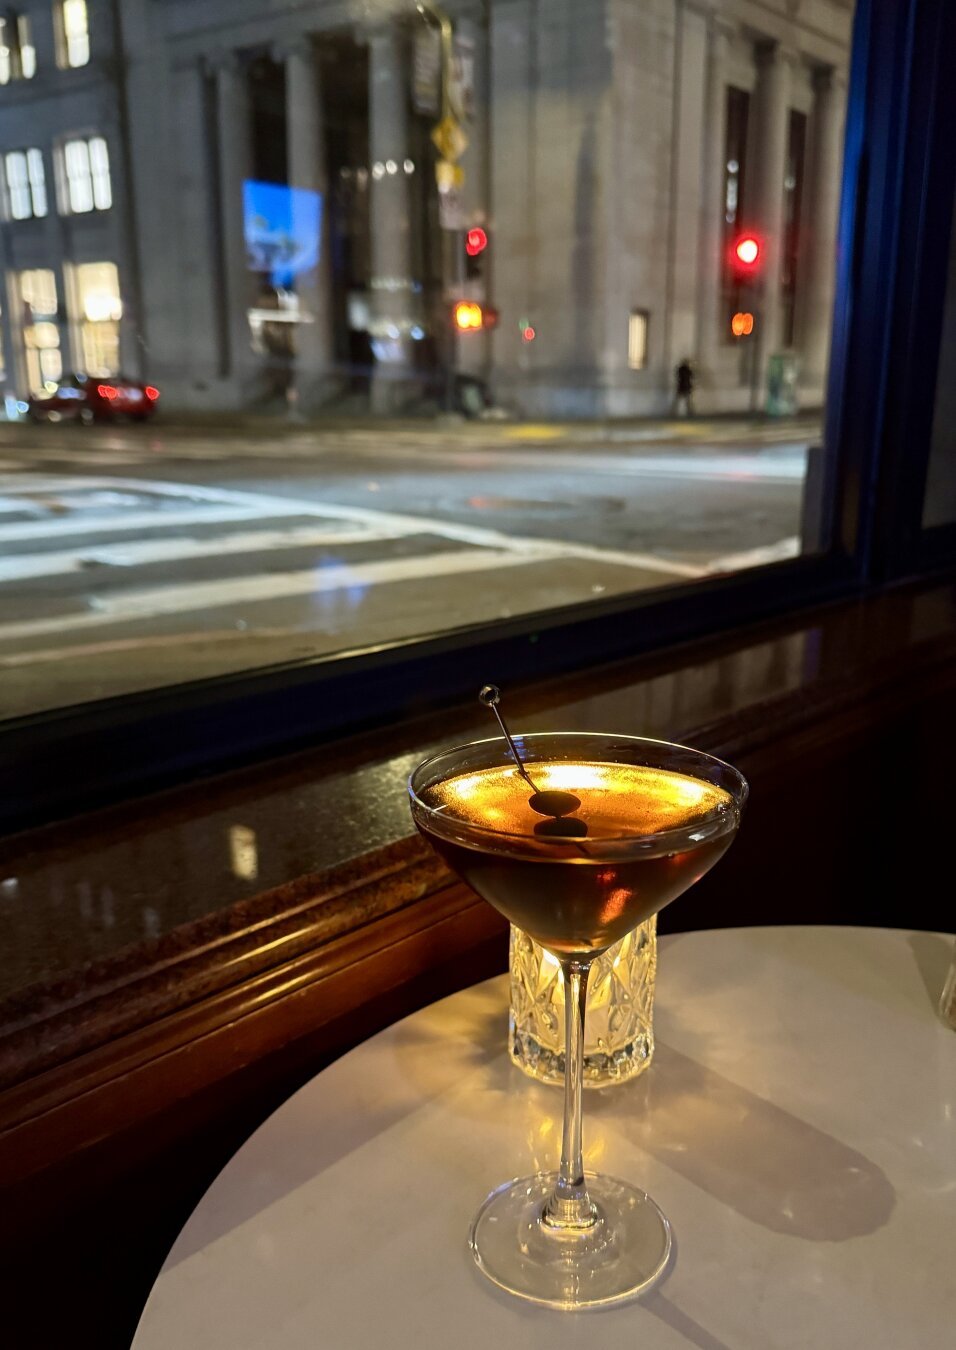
column 452, row 214
column 461, row 77
column 449, row 138
column 426, row 72
column 449, row 176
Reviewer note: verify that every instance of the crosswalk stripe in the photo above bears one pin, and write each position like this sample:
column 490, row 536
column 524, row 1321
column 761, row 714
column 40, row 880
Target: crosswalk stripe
column 139, row 554
column 138, row 520
column 132, row 606
column 252, row 504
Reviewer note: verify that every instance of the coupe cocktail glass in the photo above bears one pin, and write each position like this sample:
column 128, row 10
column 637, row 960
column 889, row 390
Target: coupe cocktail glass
column 614, row 828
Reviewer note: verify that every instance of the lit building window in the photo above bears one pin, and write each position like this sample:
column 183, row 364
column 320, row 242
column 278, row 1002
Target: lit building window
column 637, row 339
column 26, row 49
column 26, row 184
column 97, row 308
column 86, row 176
column 18, row 58
column 41, row 329
column 73, row 34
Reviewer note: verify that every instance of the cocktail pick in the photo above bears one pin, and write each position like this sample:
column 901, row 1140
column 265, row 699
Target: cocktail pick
column 551, row 802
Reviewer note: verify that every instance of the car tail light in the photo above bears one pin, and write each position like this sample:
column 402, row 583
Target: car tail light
column 107, row 391
column 152, row 392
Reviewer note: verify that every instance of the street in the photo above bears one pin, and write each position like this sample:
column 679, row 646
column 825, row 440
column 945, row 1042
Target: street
column 136, row 557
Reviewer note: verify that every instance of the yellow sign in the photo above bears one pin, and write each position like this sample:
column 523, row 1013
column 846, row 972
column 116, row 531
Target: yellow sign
column 449, row 176
column 449, row 139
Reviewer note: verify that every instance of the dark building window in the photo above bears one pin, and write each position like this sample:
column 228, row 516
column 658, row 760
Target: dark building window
column 735, row 195
column 792, row 211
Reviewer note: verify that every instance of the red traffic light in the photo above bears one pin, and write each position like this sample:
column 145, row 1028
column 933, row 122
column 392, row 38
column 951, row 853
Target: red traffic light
column 468, row 316
column 747, row 250
column 476, row 241
column 742, row 324
column 528, row 334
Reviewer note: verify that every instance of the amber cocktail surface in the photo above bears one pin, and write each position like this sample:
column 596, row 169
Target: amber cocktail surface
column 577, row 893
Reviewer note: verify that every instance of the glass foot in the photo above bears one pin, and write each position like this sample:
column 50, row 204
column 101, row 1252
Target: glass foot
column 620, row 1256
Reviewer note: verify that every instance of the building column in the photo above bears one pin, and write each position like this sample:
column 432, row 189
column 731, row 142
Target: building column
column 772, row 110
column 13, row 363
column 234, row 144
column 815, row 299
column 712, row 203
column 394, row 306
column 307, row 169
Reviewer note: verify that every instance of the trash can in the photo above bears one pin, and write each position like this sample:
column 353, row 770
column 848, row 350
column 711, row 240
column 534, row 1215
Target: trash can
column 783, row 371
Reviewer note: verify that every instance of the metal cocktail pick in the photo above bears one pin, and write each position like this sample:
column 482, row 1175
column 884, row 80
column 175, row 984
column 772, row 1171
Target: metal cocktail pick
column 551, row 802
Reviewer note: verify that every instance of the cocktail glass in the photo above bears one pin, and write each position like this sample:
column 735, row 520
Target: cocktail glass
column 592, row 837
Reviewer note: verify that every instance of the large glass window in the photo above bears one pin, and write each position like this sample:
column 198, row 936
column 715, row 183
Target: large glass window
column 435, row 343
column 18, row 60
column 99, row 310
column 86, row 176
column 26, row 184
column 41, row 331
column 72, row 33
column 523, row 364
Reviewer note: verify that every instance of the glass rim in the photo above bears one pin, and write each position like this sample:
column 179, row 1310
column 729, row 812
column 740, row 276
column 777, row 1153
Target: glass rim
column 739, row 797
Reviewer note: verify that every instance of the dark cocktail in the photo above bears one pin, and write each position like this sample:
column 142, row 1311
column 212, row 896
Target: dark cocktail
column 579, row 841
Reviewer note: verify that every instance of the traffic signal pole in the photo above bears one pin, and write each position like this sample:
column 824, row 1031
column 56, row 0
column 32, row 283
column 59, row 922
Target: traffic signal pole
column 455, row 273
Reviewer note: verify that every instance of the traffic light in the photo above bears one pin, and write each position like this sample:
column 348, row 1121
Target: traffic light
column 476, row 244
column 742, row 324
column 746, row 254
column 468, row 316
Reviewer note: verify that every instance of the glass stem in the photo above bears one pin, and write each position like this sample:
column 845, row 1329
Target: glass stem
column 570, row 1208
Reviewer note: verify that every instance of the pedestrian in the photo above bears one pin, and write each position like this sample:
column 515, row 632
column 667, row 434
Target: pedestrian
column 684, row 397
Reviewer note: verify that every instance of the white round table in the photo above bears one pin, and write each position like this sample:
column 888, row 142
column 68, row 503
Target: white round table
column 798, row 1127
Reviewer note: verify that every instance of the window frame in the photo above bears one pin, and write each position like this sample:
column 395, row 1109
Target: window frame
column 900, row 101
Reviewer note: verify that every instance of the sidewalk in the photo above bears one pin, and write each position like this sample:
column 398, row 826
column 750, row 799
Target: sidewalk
column 442, row 431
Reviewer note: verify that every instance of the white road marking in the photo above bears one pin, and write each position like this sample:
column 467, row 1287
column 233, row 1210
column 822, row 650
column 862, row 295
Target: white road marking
column 54, row 527
column 138, row 605
column 757, row 557
column 259, row 503
column 138, row 554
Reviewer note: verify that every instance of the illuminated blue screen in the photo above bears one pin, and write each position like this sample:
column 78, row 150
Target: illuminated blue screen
column 282, row 227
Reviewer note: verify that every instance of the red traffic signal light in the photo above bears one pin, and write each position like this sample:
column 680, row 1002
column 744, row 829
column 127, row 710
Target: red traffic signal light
column 742, row 324
column 747, row 251
column 476, row 241
column 468, row 316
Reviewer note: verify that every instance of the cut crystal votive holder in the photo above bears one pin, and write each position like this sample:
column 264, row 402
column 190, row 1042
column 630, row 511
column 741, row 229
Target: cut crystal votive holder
column 620, row 1015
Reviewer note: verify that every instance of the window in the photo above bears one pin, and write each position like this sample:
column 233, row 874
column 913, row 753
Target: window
column 98, row 310
column 86, row 173
column 792, row 219
column 301, row 180
column 18, row 60
column 41, row 331
column 72, row 34
column 734, row 198
column 26, row 184
column 637, row 339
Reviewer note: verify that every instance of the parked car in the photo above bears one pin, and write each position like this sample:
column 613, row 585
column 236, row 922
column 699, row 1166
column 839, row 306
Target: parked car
column 87, row 399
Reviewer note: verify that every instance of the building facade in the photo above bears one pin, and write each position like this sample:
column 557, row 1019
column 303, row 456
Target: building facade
column 248, row 203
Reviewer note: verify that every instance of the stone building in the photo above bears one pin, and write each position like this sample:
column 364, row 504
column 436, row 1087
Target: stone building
column 238, row 200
